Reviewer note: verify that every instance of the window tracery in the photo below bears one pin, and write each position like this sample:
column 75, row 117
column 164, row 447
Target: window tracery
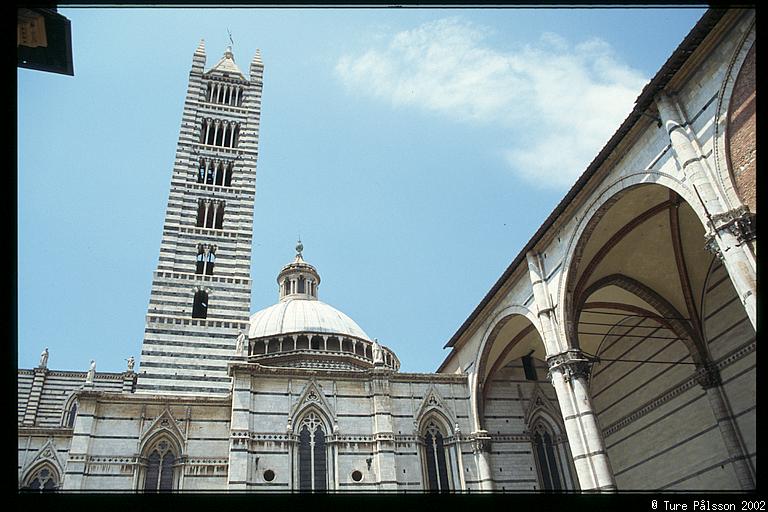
column 161, row 463
column 42, row 479
column 435, row 457
column 546, row 459
column 312, row 454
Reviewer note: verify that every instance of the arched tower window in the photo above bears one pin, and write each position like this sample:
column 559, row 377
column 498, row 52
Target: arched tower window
column 434, row 457
column 161, row 464
column 210, row 213
column 313, row 472
column 300, row 285
column 206, row 259
column 546, row 460
column 200, row 305
column 219, row 213
column 43, row 479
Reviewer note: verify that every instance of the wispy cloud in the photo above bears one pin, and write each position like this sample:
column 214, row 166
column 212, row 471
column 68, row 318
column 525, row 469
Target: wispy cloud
column 556, row 103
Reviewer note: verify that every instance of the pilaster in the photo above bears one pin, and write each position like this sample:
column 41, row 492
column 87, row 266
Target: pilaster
column 33, row 400
column 709, row 379
column 383, row 432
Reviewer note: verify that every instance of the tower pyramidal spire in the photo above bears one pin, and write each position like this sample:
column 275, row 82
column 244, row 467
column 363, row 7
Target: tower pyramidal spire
column 201, row 291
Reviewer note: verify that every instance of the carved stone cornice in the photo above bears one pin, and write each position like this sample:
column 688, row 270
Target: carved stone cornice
column 573, row 364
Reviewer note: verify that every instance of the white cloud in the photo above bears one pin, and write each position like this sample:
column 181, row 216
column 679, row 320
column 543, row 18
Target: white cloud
column 556, row 103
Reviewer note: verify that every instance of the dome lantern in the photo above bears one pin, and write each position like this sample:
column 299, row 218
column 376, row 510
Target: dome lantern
column 298, row 279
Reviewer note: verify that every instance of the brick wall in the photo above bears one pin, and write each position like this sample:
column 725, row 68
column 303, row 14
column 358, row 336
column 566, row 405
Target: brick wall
column 741, row 143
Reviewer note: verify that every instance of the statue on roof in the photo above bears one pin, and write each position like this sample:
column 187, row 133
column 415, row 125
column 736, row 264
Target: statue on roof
column 131, row 362
column 91, row 373
column 378, row 353
column 240, row 348
column 44, row 359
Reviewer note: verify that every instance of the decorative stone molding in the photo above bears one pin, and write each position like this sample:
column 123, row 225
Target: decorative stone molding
column 573, row 364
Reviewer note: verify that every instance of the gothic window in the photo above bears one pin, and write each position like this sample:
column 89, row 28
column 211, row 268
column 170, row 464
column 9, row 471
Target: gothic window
column 312, row 454
column 42, row 479
column 71, row 415
column 200, row 305
column 159, row 475
column 434, row 455
column 206, row 259
column 546, row 460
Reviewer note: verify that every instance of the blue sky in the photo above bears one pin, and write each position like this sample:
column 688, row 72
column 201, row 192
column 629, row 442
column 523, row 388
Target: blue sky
column 415, row 151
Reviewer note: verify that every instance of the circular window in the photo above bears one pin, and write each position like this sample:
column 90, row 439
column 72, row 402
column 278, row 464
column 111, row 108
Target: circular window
column 269, row 475
column 357, row 476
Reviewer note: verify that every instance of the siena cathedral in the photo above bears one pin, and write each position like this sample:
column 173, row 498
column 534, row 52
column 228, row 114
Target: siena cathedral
column 616, row 351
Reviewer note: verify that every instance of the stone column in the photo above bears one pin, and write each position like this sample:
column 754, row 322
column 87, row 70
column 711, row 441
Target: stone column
column 569, row 371
column 727, row 231
column 84, row 427
column 708, row 377
column 481, row 446
column 239, row 436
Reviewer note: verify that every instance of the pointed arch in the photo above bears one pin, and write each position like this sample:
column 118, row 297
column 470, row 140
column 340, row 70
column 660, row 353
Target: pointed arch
column 435, row 437
column 312, row 397
column 69, row 411
column 161, row 455
column 483, row 358
column 43, row 476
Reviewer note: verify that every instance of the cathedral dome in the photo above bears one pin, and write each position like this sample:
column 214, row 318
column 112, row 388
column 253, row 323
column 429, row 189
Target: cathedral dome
column 302, row 331
column 302, row 316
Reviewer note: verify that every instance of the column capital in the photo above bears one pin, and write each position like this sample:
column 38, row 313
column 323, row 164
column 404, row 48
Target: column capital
column 481, row 441
column 740, row 222
column 573, row 364
column 708, row 376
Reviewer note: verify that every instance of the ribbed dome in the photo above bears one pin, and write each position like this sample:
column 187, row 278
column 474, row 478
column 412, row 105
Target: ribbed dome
column 299, row 315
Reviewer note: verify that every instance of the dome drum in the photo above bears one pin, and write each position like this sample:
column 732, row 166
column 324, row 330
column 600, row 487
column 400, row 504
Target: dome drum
column 307, row 349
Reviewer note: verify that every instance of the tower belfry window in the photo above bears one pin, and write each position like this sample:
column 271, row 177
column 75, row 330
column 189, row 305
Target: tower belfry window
column 200, row 305
column 215, row 172
column 210, row 214
column 206, row 259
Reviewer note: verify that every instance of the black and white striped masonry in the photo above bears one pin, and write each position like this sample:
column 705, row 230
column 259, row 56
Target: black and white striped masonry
column 201, row 291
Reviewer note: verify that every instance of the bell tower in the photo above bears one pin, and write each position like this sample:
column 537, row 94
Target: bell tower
column 201, row 291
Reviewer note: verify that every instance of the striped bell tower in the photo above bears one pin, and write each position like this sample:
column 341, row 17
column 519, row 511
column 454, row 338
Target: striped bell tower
column 201, row 291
